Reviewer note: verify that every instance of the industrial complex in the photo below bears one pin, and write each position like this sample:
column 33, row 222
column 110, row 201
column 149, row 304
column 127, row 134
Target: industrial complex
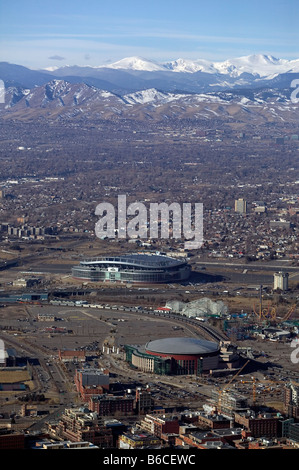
column 133, row 268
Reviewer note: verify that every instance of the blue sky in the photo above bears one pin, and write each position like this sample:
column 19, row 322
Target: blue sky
column 41, row 34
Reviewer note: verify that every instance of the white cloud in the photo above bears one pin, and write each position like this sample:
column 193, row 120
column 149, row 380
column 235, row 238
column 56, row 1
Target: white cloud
column 56, row 57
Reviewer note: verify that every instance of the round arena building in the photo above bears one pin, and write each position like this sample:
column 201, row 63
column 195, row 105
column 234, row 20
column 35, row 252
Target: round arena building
column 133, row 268
column 177, row 356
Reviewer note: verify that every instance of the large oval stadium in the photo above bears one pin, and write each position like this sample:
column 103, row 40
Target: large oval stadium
column 133, row 268
column 175, row 356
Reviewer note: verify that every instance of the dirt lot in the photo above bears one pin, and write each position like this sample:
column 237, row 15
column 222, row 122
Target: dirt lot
column 16, row 376
column 278, row 353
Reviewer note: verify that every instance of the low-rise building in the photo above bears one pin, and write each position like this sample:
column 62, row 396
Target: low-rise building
column 196, row 439
column 261, row 425
column 138, row 440
column 214, row 421
column 159, row 425
column 110, row 405
column 71, row 355
column 91, row 381
column 10, row 439
column 50, row 445
column 46, row 317
column 80, row 424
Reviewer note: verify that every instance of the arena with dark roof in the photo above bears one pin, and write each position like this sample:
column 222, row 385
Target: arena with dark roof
column 175, row 356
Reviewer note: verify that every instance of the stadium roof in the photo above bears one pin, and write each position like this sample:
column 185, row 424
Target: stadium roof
column 182, row 346
column 136, row 259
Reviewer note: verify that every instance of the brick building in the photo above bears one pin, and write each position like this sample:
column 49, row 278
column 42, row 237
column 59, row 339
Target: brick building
column 91, row 382
column 262, row 425
column 71, row 356
column 77, row 425
column 161, row 425
column 110, row 405
column 144, row 400
column 213, row 421
column 219, row 437
column 11, row 440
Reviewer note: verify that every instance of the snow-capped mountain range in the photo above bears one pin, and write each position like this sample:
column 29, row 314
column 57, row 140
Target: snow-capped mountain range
column 134, row 74
column 262, row 65
column 257, row 87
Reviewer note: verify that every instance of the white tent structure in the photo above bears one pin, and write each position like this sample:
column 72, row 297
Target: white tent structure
column 198, row 308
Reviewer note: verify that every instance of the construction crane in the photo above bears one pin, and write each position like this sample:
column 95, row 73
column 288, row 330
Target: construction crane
column 227, row 385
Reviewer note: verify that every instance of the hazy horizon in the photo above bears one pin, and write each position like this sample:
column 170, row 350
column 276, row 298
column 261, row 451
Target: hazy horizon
column 41, row 35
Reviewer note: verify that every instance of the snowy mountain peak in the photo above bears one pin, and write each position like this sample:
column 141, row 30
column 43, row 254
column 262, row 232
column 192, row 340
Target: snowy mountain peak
column 260, row 59
column 136, row 63
column 257, row 64
column 150, row 95
column 191, row 66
